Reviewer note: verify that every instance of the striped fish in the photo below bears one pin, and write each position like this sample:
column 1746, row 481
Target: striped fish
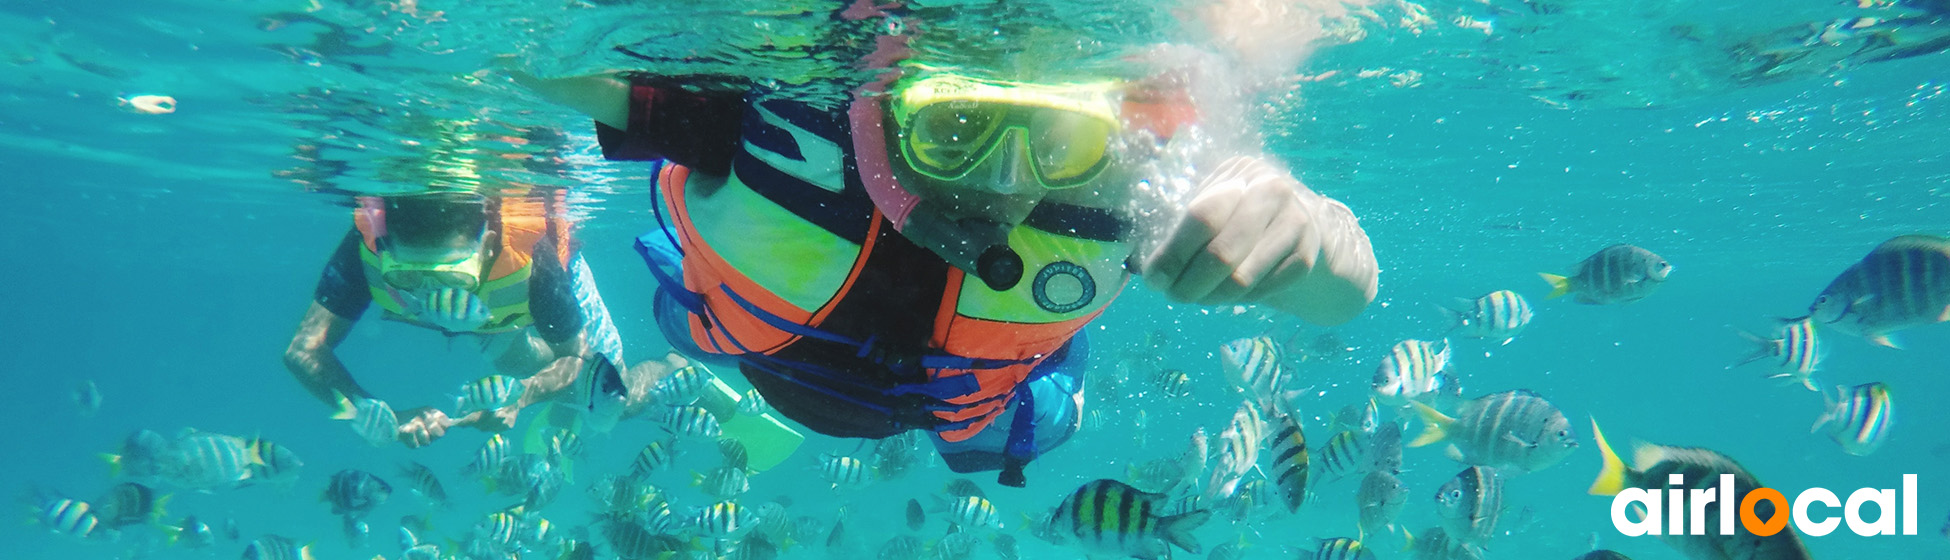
column 721, row 520
column 902, row 547
column 1173, row 383
column 1652, row 468
column 974, row 511
column 454, row 310
column 1006, row 548
column 273, row 547
column 1385, row 448
column 1290, row 464
column 1109, row 517
column 1615, row 274
column 491, row 459
column 1434, row 544
column 1903, row 283
column 423, row 551
column 1409, row 371
column 843, row 471
column 735, row 454
column 128, row 504
column 1516, row 430
column 629, row 540
column 1858, row 418
column 1338, row 548
column 956, row 546
column 771, row 521
column 423, row 482
column 1470, row 505
column 1380, row 500
column 1795, row 351
column 1362, row 417
column 372, row 419
column 500, row 527
column 692, row 421
column 489, row 393
column 1498, row 315
column 1254, row 366
column 207, row 461
column 682, row 387
column 654, row 457
column 1238, row 450
column 753, row 404
column 564, row 445
column 723, row 483
column 661, row 519
column 354, row 493
column 73, row 518
column 1245, row 501
column 271, row 462
column 1344, row 454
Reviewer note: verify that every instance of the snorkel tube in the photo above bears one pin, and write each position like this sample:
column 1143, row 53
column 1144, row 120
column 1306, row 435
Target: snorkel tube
column 978, row 247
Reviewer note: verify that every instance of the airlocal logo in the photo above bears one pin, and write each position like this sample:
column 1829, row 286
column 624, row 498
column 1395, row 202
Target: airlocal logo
column 1650, row 500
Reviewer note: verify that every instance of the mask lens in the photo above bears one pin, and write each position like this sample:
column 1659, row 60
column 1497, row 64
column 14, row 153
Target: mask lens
column 1069, row 148
column 947, row 137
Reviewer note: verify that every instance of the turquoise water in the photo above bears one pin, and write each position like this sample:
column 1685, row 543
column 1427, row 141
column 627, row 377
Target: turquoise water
column 168, row 257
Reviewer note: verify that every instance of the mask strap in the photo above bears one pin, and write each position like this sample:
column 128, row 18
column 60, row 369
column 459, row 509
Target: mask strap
column 372, row 215
column 870, row 155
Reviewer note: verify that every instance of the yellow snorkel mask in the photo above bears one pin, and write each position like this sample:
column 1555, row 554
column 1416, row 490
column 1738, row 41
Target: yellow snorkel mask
column 464, row 274
column 950, row 124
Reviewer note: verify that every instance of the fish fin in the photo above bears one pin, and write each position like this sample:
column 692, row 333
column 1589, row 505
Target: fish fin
column 1177, row 529
column 1457, row 318
column 1611, row 477
column 1408, row 541
column 1559, row 285
column 1881, row 339
column 1830, row 408
column 346, row 410
column 1763, row 347
column 1437, row 424
column 1519, row 441
column 1455, row 454
column 114, row 464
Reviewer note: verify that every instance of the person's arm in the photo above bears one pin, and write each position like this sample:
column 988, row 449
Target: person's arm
column 640, row 118
column 337, row 302
column 1254, row 234
column 561, row 325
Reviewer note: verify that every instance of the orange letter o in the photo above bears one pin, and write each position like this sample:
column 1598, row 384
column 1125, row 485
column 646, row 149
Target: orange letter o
column 1752, row 522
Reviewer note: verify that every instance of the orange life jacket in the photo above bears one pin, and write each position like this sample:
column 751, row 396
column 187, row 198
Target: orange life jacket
column 982, row 361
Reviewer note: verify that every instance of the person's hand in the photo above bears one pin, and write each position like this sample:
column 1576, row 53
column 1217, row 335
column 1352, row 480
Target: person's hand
column 423, row 425
column 1249, row 233
column 497, row 420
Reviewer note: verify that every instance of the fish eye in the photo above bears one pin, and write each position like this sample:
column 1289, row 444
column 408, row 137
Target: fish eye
column 1819, row 301
column 1563, row 433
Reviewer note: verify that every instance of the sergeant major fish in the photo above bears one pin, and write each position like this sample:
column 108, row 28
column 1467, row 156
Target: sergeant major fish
column 1470, row 506
column 1795, row 351
column 1290, row 464
column 1238, row 450
column 1108, row 517
column 354, row 493
column 371, row 418
column 489, row 393
column 1652, row 468
column 1615, row 274
column 1515, row 430
column 1858, row 418
column 1499, row 315
column 1409, row 371
column 1902, row 283
column 1380, row 500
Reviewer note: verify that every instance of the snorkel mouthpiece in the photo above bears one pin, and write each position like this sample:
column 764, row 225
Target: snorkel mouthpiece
column 999, row 267
column 976, row 246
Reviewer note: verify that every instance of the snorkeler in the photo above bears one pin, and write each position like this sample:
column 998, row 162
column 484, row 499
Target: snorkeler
column 463, row 264
column 927, row 258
